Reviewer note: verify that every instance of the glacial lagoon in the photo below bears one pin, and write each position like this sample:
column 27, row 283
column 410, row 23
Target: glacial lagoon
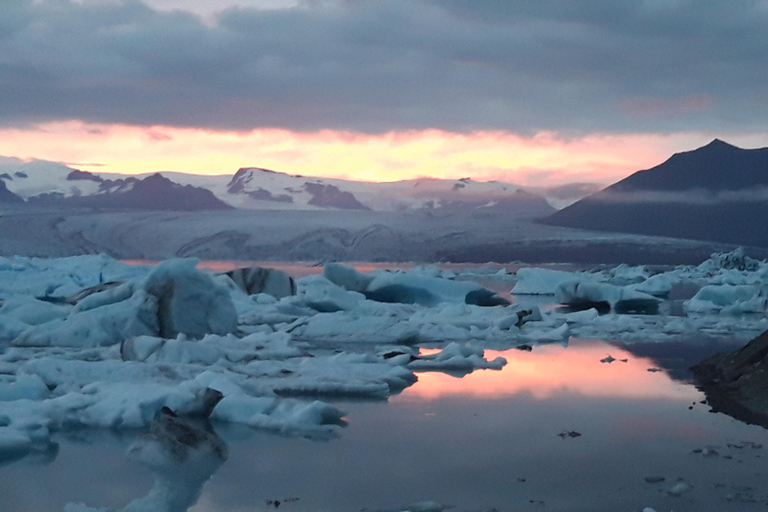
column 572, row 425
column 490, row 440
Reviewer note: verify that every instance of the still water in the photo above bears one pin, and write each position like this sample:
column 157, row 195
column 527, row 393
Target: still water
column 485, row 441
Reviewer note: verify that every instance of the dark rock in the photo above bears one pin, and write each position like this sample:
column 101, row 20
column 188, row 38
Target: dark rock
column 736, row 383
column 329, row 196
column 261, row 194
column 6, row 196
column 83, row 175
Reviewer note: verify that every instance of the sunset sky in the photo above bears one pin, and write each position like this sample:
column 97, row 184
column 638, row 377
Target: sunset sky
column 535, row 93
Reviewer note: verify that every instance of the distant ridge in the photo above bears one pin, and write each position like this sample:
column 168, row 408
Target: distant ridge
column 153, row 192
column 718, row 192
column 53, row 184
column 717, row 166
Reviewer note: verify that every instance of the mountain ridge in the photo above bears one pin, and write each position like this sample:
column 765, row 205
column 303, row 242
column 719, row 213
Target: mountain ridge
column 718, row 192
column 55, row 184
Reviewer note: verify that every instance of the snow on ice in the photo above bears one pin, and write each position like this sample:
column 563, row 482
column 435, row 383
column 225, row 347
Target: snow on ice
column 90, row 341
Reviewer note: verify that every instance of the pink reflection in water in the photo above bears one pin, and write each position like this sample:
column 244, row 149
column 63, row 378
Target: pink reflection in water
column 551, row 370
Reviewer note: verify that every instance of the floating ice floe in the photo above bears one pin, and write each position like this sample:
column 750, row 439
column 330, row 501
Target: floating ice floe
column 414, row 287
column 89, row 341
column 729, row 299
column 255, row 280
column 542, row 281
column 580, row 294
column 132, row 342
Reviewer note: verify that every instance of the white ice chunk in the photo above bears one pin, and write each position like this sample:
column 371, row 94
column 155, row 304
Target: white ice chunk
column 29, row 387
column 276, row 413
column 586, row 294
column 323, row 295
column 658, row 285
column 178, row 351
column 728, row 299
column 190, row 301
column 456, row 356
column 346, row 277
column 106, row 325
column 542, row 281
column 13, row 443
column 254, row 280
column 31, row 311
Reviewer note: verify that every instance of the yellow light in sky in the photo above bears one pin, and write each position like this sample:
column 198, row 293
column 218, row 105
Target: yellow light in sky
column 542, row 159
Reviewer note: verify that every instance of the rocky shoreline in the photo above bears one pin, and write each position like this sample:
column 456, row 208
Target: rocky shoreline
column 736, row 383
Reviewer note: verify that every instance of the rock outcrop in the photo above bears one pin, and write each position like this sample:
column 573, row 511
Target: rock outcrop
column 736, row 383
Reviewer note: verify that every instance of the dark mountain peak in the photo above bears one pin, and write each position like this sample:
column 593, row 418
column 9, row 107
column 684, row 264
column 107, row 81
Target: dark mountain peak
column 76, row 175
column 241, row 172
column 238, row 181
column 6, row 196
column 718, row 145
column 330, row 196
column 714, row 193
column 157, row 178
column 716, row 167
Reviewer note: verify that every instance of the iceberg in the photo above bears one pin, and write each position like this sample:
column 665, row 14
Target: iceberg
column 542, row 281
column 88, row 341
column 412, row 287
column 580, row 295
column 728, row 299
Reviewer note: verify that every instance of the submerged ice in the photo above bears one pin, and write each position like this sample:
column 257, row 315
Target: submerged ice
column 89, row 341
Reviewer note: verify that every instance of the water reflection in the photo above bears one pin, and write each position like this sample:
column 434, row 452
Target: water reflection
column 487, row 440
column 550, row 370
column 182, row 453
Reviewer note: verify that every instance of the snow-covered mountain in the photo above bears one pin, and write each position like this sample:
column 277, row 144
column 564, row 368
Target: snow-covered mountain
column 48, row 184
column 42, row 182
column 255, row 188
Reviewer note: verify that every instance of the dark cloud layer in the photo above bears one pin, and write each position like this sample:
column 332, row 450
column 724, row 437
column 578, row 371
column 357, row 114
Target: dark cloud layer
column 517, row 65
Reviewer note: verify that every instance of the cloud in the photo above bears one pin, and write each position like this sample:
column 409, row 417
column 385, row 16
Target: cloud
column 693, row 196
column 542, row 160
column 375, row 67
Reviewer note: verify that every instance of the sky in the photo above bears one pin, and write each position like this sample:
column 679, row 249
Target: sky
column 532, row 92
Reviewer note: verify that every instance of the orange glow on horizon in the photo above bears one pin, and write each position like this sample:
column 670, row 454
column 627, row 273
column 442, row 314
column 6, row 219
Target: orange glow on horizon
column 539, row 160
column 551, row 370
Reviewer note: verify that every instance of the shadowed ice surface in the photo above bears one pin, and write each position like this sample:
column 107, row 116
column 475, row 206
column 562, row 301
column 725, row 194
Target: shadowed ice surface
column 489, row 440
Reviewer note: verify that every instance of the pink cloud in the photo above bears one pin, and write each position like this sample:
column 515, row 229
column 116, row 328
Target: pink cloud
column 543, row 159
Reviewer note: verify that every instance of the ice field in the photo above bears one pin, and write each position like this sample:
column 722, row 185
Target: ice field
column 171, row 355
